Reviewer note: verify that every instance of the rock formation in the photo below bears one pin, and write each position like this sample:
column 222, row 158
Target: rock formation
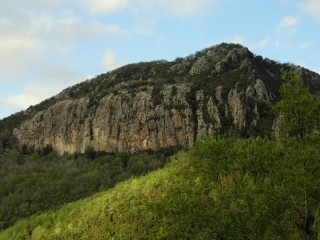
column 160, row 104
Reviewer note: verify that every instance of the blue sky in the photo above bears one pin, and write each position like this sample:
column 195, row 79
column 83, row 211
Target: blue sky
column 48, row 45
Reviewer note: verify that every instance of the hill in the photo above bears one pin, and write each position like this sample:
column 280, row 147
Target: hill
column 151, row 105
column 223, row 188
column 129, row 122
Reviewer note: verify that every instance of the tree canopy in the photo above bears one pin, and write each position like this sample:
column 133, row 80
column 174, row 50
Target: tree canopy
column 298, row 108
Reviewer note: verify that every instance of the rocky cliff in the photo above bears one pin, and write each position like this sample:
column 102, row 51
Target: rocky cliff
column 159, row 104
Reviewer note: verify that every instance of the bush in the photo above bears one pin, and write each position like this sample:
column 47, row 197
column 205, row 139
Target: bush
column 89, row 152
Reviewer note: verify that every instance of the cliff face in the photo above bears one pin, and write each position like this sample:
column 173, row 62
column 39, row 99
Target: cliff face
column 160, row 104
column 122, row 122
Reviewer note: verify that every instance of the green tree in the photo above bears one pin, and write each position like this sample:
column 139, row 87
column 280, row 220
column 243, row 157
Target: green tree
column 298, row 108
column 89, row 152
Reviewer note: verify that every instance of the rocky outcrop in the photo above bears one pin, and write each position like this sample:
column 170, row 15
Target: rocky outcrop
column 201, row 65
column 66, row 126
column 125, row 123
column 237, row 108
column 133, row 122
column 151, row 105
column 261, row 90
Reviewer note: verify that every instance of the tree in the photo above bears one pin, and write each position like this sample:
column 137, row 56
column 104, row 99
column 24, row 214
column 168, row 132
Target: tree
column 299, row 109
column 90, row 153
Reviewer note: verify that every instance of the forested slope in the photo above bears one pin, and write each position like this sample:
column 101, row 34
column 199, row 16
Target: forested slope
column 31, row 182
column 223, row 188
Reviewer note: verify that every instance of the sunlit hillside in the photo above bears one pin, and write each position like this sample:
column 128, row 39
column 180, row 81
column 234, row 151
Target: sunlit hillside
column 223, row 188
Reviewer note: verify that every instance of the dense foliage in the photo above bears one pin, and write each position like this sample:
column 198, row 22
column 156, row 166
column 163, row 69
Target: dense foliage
column 298, row 108
column 42, row 180
column 223, row 188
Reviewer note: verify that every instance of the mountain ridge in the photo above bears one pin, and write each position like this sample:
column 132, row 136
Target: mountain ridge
column 150, row 105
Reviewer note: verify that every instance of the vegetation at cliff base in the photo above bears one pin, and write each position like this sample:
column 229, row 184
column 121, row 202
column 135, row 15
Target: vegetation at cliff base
column 31, row 182
column 223, row 188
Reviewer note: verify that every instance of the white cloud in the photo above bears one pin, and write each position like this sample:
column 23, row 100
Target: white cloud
column 189, row 7
column 105, row 6
column 18, row 9
column 18, row 54
column 30, row 44
column 145, row 26
column 75, row 30
column 305, row 45
column 264, row 43
column 55, row 79
column 21, row 49
column 110, row 62
column 72, row 29
column 288, row 22
column 311, row 7
column 46, row 3
column 31, row 3
column 61, row 76
column 31, row 95
column 109, row 29
column 22, row 101
column 238, row 39
column 182, row 8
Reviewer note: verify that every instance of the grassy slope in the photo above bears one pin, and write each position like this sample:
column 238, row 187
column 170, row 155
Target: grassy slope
column 221, row 189
column 37, row 182
column 86, row 218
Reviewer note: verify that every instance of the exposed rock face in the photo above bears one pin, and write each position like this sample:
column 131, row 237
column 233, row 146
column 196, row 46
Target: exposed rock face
column 261, row 90
column 200, row 66
column 237, row 109
column 125, row 123
column 66, row 126
column 122, row 122
column 160, row 104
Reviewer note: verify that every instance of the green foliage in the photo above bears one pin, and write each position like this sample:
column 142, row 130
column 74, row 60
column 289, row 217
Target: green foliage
column 90, row 152
column 157, row 95
column 223, row 188
column 231, row 46
column 298, row 108
column 47, row 150
column 43, row 180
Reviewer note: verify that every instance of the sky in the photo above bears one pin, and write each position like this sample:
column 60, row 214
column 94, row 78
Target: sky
column 48, row 45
